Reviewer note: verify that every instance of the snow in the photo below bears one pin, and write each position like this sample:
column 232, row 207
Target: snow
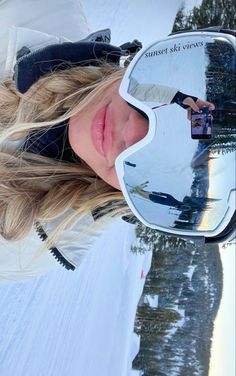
column 190, row 272
column 76, row 323
column 129, row 20
column 81, row 322
column 152, row 301
column 178, row 324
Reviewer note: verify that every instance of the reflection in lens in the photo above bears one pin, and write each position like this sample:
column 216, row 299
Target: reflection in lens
column 176, row 182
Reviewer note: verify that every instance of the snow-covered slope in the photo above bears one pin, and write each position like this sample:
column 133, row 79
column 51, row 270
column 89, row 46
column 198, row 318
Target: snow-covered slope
column 144, row 20
column 81, row 323
column 76, row 323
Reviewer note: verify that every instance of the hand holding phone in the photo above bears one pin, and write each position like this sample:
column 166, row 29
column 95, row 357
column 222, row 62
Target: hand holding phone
column 201, row 124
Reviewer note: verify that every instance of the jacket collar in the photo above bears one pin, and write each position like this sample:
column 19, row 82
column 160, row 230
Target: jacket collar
column 51, row 143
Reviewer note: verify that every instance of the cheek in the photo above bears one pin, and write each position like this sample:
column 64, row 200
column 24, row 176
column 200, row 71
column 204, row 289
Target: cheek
column 107, row 174
column 112, row 179
column 78, row 134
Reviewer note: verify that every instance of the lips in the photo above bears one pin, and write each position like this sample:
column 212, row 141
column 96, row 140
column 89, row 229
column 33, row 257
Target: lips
column 107, row 141
column 101, row 131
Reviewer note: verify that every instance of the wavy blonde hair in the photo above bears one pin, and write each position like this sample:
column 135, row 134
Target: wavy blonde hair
column 35, row 188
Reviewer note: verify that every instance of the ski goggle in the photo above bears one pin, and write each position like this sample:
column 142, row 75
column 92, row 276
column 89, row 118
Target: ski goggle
column 180, row 178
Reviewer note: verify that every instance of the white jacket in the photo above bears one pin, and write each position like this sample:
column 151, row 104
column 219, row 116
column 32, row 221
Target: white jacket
column 57, row 18
column 151, row 92
column 21, row 260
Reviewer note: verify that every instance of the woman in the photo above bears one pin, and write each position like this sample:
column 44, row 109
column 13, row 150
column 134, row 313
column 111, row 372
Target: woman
column 23, row 259
column 59, row 140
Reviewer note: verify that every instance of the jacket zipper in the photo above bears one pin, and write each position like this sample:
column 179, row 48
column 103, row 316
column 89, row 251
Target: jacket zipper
column 53, row 250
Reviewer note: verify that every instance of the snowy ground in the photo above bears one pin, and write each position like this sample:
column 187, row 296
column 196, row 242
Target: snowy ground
column 76, row 323
column 222, row 360
column 81, row 323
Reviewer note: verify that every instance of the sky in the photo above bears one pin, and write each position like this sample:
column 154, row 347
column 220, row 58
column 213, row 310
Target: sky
column 189, row 4
column 223, row 349
column 224, row 326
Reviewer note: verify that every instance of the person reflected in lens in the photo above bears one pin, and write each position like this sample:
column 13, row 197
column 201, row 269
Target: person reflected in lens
column 160, row 198
column 166, row 95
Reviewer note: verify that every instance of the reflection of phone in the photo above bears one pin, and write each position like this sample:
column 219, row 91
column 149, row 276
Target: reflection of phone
column 201, row 124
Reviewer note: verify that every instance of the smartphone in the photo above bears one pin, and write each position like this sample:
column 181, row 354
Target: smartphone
column 201, row 124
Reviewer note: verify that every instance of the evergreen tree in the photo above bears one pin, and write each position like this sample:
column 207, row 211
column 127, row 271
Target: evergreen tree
column 221, row 70
column 209, row 13
column 187, row 351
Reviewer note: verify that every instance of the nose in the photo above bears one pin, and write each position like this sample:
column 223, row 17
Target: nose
column 136, row 128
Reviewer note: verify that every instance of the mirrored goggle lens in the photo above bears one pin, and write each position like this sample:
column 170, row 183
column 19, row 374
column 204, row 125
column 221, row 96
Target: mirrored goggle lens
column 174, row 180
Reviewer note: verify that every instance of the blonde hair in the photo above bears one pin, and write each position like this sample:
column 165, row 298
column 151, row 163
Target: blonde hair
column 35, row 188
